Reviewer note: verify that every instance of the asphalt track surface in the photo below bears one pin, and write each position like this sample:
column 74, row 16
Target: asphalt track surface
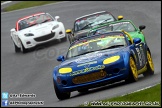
column 32, row 72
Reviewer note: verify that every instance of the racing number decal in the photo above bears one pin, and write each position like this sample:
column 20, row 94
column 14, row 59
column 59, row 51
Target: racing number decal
column 141, row 56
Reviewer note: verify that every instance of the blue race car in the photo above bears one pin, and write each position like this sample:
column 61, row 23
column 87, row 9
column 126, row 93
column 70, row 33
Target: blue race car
column 89, row 64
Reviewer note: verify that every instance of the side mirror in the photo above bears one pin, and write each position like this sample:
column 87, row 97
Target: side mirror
column 141, row 27
column 60, row 58
column 120, row 17
column 136, row 40
column 13, row 30
column 68, row 31
column 57, row 17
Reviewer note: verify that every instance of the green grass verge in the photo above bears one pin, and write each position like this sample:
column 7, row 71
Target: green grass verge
column 2, row 1
column 27, row 4
column 148, row 97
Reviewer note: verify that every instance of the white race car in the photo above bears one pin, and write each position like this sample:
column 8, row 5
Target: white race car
column 36, row 29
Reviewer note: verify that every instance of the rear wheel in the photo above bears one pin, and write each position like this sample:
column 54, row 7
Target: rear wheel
column 150, row 65
column 61, row 95
column 133, row 75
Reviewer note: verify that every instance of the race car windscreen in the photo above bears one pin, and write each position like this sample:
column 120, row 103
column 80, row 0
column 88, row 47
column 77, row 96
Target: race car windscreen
column 92, row 20
column 126, row 26
column 96, row 43
column 34, row 20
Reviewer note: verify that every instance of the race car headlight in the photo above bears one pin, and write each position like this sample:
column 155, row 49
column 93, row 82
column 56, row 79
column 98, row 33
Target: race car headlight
column 111, row 59
column 65, row 70
column 56, row 26
column 29, row 34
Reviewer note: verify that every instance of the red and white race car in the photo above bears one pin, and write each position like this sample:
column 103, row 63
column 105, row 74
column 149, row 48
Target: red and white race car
column 36, row 29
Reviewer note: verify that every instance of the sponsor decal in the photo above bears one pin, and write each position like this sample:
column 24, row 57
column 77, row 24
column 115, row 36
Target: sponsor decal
column 99, row 67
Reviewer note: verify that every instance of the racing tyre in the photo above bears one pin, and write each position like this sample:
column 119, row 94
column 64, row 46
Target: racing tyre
column 23, row 48
column 16, row 48
column 150, row 65
column 61, row 95
column 83, row 90
column 133, row 75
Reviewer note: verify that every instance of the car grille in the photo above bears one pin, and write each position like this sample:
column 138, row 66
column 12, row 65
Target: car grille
column 44, row 38
column 89, row 77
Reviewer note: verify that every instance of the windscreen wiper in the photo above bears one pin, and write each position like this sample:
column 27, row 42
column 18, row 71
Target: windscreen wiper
column 86, row 25
column 104, row 21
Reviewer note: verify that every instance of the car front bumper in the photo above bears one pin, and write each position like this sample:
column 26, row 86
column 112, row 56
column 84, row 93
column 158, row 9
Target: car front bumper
column 32, row 41
column 122, row 75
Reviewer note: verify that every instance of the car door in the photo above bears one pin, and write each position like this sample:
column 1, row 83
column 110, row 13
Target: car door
column 139, row 50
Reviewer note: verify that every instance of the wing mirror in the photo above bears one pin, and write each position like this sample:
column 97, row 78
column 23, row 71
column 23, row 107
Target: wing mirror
column 141, row 27
column 13, row 30
column 60, row 58
column 57, row 17
column 120, row 17
column 136, row 40
column 68, row 31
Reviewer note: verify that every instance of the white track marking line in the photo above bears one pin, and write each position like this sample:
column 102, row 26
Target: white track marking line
column 6, row 2
column 141, row 89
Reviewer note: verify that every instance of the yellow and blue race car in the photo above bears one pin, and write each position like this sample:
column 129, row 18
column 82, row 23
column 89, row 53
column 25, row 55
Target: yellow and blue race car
column 88, row 64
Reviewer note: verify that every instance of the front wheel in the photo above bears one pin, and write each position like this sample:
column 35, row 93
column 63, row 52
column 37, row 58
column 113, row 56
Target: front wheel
column 150, row 65
column 23, row 49
column 16, row 48
column 133, row 75
column 61, row 95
